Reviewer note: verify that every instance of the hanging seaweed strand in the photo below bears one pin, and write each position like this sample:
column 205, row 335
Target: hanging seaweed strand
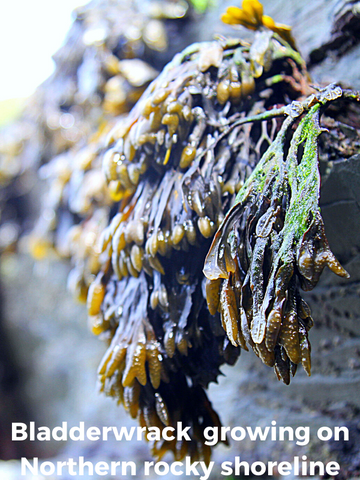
column 272, row 242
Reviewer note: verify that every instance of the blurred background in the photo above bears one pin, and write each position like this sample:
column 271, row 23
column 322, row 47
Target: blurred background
column 30, row 33
column 48, row 356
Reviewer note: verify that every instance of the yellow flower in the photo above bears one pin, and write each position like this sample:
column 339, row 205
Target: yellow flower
column 250, row 15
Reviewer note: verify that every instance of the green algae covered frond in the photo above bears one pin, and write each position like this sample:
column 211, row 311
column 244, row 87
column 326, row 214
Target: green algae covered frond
column 271, row 242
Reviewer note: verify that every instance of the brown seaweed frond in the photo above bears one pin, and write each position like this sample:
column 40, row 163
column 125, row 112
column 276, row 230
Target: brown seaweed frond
column 141, row 367
column 173, row 165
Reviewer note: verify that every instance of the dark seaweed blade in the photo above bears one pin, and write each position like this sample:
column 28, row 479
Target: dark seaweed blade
column 276, row 221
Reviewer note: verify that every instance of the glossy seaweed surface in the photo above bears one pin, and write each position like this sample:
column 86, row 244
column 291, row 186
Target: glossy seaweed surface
column 195, row 224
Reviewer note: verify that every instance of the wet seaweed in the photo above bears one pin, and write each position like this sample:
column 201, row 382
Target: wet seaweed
column 200, row 225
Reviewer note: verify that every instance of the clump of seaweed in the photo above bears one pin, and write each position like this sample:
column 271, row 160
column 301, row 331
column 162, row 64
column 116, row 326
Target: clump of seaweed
column 214, row 170
column 173, row 168
column 113, row 51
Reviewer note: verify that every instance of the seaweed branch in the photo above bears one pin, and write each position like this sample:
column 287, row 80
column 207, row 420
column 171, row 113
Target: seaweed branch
column 272, row 242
